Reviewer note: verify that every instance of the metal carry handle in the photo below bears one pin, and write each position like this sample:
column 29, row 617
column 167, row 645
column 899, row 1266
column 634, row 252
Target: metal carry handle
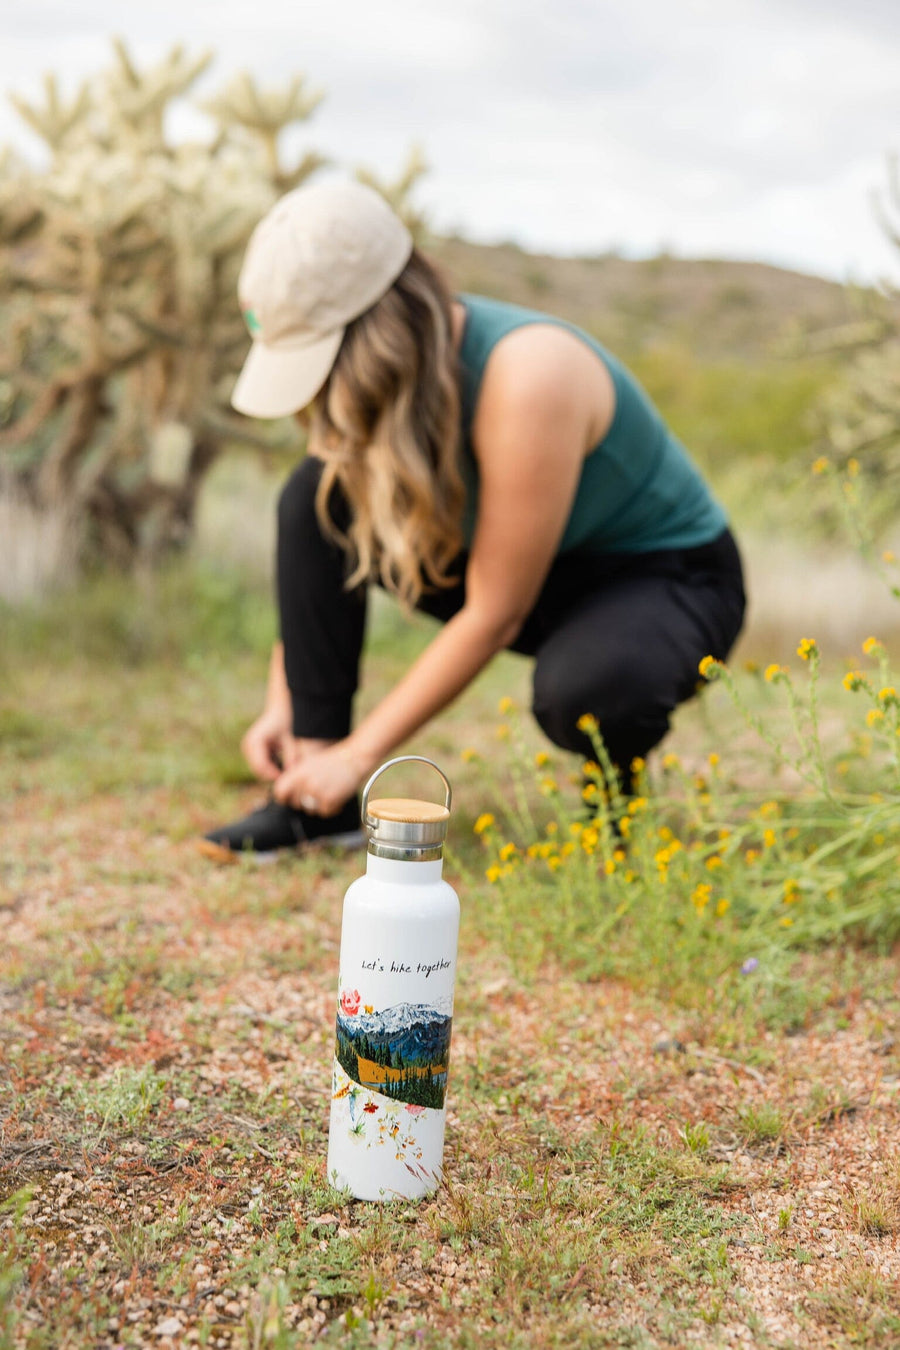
column 405, row 759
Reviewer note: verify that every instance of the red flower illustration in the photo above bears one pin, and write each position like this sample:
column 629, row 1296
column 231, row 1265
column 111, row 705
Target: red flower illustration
column 350, row 1002
column 371, row 1107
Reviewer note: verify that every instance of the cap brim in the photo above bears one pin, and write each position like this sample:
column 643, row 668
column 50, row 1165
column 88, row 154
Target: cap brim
column 279, row 380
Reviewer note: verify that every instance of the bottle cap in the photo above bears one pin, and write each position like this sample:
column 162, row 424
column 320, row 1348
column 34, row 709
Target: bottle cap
column 404, row 827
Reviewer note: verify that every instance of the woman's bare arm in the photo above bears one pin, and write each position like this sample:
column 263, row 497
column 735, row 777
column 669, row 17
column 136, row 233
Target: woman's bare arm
column 532, row 430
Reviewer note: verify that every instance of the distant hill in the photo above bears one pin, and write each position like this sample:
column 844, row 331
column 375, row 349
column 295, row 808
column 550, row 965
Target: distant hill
column 717, row 308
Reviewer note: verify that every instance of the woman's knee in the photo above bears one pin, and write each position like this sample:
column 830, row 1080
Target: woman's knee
column 632, row 711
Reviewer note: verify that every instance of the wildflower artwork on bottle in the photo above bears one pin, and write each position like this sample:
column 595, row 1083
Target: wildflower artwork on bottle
column 390, row 1070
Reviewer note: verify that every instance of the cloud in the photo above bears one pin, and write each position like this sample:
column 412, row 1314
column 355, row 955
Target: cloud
column 735, row 126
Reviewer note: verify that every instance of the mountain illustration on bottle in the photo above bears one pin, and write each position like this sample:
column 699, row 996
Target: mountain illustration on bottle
column 402, row 1051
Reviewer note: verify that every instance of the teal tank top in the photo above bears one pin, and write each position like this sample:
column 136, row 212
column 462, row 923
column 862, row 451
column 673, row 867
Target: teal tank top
column 639, row 490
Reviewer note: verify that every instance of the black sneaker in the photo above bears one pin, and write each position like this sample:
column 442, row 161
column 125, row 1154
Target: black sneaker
column 273, row 828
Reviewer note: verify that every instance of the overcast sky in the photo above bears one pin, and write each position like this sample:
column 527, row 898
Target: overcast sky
column 756, row 129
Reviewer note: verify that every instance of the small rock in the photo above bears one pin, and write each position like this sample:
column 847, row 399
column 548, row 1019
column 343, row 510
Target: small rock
column 181, row 1104
column 170, row 1326
column 668, row 1045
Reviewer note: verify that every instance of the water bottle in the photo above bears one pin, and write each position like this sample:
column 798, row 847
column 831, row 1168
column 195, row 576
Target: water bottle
column 395, row 1003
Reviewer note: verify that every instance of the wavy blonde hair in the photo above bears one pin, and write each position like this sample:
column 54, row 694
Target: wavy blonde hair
column 386, row 425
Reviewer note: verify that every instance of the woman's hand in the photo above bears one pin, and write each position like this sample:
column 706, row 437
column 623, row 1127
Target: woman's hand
column 322, row 781
column 265, row 742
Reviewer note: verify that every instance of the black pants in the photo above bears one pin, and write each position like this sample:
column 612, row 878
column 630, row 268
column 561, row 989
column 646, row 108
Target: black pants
column 617, row 635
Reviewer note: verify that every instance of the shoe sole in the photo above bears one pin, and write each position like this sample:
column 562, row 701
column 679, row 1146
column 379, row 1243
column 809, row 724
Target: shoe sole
column 351, row 839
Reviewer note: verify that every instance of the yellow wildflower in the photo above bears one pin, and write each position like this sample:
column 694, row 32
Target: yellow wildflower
column 887, row 695
column 468, row 755
column 549, row 786
column 508, row 851
column 587, row 723
column 852, row 468
column 484, row 822
column 505, row 705
column 888, row 556
column 751, row 856
column 625, row 826
column 671, row 761
column 768, row 838
column 871, row 646
column 723, row 906
column 494, row 873
column 590, row 792
column 713, row 862
column 807, row 648
column 700, row 896
column 619, row 855
column 724, row 833
column 567, row 848
column 786, row 922
column 820, row 465
column 534, row 850
column 591, row 769
column 769, row 809
column 589, row 839
column 576, row 827
column 774, row 672
column 541, row 758
column 664, row 832
column 629, row 876
column 637, row 804
column 791, row 892
column 707, row 665
column 637, row 765
column 873, row 717
column 609, row 867
column 713, row 759
column 552, row 827
column 555, row 862
column 853, row 680
column 502, row 732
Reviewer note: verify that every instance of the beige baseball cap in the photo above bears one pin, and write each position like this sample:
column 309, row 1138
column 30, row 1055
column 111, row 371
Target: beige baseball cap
column 320, row 257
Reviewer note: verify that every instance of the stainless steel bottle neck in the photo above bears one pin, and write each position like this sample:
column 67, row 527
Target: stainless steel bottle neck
column 401, row 854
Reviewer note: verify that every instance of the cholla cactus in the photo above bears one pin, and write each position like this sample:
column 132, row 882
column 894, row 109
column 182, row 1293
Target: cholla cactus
column 862, row 413
column 397, row 191
column 121, row 332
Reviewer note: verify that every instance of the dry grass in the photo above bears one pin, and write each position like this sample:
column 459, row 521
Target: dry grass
column 620, row 1171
